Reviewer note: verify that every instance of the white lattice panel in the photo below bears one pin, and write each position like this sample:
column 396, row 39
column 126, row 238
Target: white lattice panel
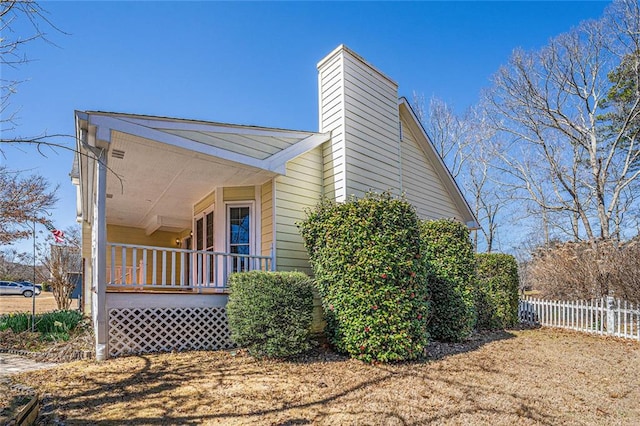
column 144, row 330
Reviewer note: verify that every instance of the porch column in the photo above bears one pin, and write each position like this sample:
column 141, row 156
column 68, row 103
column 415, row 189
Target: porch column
column 99, row 251
column 220, row 234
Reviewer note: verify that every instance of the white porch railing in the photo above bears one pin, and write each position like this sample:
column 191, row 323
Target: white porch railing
column 147, row 267
column 602, row 316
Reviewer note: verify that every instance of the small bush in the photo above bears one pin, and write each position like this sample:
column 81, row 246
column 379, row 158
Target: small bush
column 58, row 321
column 270, row 313
column 16, row 322
column 55, row 325
column 497, row 292
column 366, row 257
column 449, row 255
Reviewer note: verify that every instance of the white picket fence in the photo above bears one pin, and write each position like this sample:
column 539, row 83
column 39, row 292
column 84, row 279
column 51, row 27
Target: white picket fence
column 608, row 315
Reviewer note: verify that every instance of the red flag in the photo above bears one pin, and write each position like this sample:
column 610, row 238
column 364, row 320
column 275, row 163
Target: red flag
column 58, row 235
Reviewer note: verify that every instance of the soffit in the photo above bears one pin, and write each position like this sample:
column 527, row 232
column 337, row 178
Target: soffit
column 154, row 180
column 259, row 147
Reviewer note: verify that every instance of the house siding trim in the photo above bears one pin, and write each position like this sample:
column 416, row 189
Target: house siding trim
column 299, row 189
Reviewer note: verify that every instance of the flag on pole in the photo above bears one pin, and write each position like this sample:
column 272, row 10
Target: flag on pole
column 58, row 235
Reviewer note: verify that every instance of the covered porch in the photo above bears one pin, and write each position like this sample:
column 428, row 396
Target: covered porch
column 170, row 208
column 179, row 221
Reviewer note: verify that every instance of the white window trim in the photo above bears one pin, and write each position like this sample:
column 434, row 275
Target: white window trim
column 252, row 224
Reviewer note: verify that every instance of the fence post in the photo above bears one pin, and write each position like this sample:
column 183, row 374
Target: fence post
column 611, row 315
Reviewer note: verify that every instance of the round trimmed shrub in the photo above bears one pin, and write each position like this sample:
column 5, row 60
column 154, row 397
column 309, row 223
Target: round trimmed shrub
column 497, row 294
column 450, row 258
column 366, row 258
column 270, row 313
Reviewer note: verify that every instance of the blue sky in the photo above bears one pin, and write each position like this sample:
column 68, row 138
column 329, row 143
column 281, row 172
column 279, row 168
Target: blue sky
column 254, row 63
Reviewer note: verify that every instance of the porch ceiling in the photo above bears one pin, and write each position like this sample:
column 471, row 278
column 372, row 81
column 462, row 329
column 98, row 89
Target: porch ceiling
column 155, row 185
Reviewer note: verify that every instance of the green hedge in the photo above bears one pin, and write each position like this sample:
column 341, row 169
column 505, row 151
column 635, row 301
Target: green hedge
column 270, row 313
column 449, row 255
column 367, row 262
column 497, row 293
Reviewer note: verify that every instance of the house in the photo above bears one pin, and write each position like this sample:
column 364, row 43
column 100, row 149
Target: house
column 170, row 207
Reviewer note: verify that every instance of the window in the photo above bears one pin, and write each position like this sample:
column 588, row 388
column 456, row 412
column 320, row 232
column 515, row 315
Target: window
column 209, row 232
column 239, row 236
column 204, row 232
column 204, row 239
column 199, row 234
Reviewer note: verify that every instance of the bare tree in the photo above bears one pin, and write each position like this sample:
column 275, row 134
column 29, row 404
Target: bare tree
column 564, row 156
column 14, row 265
column 480, row 179
column 486, row 202
column 60, row 262
column 449, row 133
column 13, row 43
column 22, row 202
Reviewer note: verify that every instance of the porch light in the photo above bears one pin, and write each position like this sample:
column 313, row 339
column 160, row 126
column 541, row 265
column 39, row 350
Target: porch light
column 178, row 242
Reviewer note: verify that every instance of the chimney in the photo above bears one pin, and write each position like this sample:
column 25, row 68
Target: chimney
column 359, row 106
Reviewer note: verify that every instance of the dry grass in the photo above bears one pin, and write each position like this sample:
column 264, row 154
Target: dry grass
column 522, row 377
column 45, row 302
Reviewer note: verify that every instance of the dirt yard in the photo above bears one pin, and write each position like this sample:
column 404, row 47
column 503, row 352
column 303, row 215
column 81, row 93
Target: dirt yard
column 44, row 303
column 539, row 376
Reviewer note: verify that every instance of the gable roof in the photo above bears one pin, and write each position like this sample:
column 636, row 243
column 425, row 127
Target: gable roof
column 261, row 147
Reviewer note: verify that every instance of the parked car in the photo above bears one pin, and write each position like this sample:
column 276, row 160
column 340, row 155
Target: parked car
column 24, row 288
column 29, row 283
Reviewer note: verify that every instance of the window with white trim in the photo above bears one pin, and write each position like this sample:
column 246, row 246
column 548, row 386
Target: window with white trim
column 239, row 236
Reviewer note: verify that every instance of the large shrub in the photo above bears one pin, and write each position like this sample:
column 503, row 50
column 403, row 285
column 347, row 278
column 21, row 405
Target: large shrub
column 449, row 255
column 367, row 262
column 497, row 292
column 270, row 313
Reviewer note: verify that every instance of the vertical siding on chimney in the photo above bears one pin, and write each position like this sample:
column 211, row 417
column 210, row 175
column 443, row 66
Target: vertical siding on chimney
column 359, row 105
column 331, row 98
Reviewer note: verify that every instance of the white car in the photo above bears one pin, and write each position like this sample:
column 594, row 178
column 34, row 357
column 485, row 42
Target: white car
column 25, row 289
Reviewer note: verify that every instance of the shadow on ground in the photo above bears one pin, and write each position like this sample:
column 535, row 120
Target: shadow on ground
column 233, row 388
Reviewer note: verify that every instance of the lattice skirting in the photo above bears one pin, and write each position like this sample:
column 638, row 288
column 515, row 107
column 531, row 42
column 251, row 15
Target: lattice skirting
column 144, row 330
